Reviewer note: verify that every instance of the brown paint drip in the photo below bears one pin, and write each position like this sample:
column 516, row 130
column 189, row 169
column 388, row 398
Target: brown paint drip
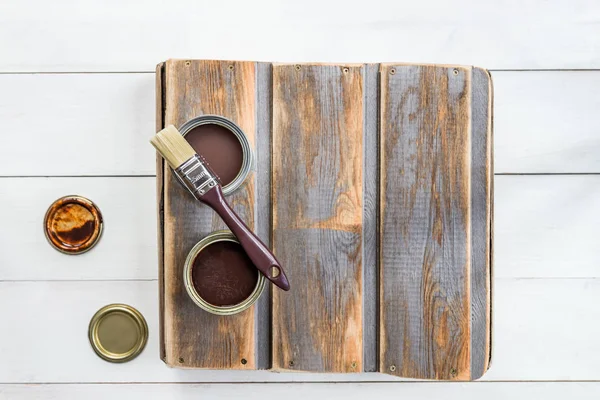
column 220, row 147
column 73, row 224
column 223, row 275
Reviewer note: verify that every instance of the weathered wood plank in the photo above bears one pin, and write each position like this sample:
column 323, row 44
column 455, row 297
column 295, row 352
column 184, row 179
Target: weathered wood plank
column 481, row 211
column 425, row 222
column 317, row 216
column 193, row 337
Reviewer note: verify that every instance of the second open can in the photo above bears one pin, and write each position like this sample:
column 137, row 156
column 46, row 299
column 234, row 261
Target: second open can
column 220, row 277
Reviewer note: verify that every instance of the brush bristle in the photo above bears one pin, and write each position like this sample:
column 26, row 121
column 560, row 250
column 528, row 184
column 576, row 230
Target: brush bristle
column 172, row 146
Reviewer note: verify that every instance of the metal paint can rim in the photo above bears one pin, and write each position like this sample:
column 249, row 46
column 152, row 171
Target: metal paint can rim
column 96, row 340
column 88, row 205
column 247, row 157
column 217, row 236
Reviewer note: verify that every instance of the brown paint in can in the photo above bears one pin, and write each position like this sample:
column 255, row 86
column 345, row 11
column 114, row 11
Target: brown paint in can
column 223, row 275
column 221, row 149
column 220, row 277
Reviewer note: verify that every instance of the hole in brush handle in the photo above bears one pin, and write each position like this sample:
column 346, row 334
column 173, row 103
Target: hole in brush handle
column 274, row 271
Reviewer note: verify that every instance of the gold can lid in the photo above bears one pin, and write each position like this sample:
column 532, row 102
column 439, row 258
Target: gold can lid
column 118, row 333
column 73, row 224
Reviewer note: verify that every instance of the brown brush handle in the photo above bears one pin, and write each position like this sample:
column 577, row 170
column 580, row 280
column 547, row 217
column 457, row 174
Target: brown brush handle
column 260, row 255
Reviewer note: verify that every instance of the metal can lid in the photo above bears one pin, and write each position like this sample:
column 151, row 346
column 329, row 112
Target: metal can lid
column 73, row 224
column 118, row 333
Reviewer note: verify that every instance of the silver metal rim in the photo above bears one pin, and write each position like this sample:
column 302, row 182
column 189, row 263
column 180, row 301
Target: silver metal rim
column 237, row 131
column 217, row 236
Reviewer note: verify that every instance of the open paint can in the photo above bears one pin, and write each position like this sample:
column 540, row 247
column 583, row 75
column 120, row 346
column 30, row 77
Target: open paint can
column 223, row 145
column 220, row 277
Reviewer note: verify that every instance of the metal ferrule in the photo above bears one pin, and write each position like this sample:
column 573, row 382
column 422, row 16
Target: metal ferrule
column 195, row 175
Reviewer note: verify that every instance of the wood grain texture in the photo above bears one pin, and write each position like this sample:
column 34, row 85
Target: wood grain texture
column 317, row 216
column 193, row 337
column 481, row 220
column 425, row 225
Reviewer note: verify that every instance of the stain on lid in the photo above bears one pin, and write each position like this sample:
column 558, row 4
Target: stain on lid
column 73, row 224
column 118, row 333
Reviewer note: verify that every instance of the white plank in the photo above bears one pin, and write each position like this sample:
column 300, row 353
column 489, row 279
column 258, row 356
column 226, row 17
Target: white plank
column 300, row 391
column 543, row 329
column 547, row 226
column 77, row 124
column 124, row 36
column 99, row 124
column 126, row 250
column 44, row 337
column 546, row 121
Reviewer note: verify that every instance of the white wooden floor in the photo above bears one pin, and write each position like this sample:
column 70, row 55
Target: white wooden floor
column 77, row 109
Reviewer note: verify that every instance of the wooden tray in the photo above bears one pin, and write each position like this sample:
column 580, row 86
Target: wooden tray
column 373, row 185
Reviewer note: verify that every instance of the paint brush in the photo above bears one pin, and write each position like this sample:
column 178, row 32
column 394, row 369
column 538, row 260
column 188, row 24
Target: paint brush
column 195, row 174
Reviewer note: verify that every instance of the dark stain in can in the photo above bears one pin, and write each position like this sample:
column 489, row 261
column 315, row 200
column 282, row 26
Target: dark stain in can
column 223, row 274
